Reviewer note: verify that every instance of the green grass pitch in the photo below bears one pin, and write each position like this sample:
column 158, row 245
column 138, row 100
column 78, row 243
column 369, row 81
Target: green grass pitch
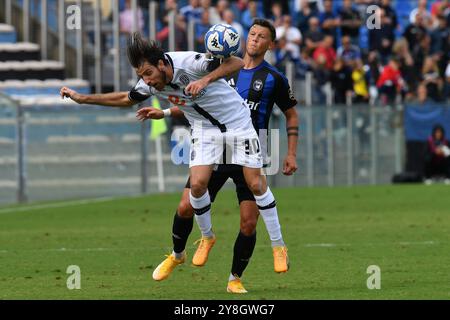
column 333, row 235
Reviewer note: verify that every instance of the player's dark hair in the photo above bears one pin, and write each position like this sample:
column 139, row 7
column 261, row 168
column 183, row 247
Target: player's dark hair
column 266, row 24
column 140, row 51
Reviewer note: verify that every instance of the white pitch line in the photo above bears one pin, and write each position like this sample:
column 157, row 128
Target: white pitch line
column 56, row 205
column 167, row 248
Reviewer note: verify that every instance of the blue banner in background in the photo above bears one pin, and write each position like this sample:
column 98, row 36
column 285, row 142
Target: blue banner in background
column 419, row 120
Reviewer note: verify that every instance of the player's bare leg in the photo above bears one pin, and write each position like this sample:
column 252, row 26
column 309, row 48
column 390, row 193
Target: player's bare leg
column 243, row 246
column 265, row 201
column 201, row 203
column 181, row 228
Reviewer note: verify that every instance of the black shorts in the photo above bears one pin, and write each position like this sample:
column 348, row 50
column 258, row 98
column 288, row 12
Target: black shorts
column 221, row 175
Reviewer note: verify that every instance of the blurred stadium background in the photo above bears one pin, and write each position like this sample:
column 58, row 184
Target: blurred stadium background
column 358, row 125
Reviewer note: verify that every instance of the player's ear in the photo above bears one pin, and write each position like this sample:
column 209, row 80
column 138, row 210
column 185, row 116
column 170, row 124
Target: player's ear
column 161, row 65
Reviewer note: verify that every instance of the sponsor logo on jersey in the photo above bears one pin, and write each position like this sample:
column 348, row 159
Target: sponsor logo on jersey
column 257, row 85
column 252, row 105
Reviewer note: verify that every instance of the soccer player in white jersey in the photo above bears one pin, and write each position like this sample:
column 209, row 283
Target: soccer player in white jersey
column 216, row 113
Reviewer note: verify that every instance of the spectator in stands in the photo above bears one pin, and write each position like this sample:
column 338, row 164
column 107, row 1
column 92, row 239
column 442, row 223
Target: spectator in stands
column 360, row 87
column 325, row 51
column 228, row 17
column 382, row 39
column 422, row 95
column 276, row 15
column 304, row 16
column 214, row 16
column 127, row 19
column 407, row 68
column 251, row 13
column 421, row 51
column 437, row 157
column 440, row 43
column 180, row 34
column 415, row 31
column 373, row 74
column 390, row 82
column 439, row 8
column 292, row 36
column 268, row 4
column 350, row 21
column 348, row 51
column 431, row 79
column 329, row 21
column 424, row 13
column 200, row 30
column 313, row 37
column 192, row 11
column 391, row 15
column 341, row 81
column 223, row 5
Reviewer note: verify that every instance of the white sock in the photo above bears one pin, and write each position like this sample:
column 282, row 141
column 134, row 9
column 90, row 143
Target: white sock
column 231, row 277
column 179, row 255
column 202, row 210
column 268, row 210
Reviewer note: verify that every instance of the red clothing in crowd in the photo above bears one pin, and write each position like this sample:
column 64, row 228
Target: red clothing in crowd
column 329, row 53
column 390, row 77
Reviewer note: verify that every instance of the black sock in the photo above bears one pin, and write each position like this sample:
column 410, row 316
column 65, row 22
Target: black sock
column 181, row 230
column 243, row 250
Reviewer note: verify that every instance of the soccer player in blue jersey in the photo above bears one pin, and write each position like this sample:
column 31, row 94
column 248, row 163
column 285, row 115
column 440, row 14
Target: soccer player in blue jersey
column 261, row 85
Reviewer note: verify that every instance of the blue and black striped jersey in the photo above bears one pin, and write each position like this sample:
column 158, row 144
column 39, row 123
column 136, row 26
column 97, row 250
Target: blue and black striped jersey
column 261, row 87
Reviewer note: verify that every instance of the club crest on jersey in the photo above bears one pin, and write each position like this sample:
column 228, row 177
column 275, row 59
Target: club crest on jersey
column 257, row 85
column 184, row 79
column 291, row 94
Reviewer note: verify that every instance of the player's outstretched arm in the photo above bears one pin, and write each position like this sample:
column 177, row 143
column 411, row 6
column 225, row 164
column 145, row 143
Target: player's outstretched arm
column 290, row 162
column 228, row 67
column 113, row 99
column 154, row 113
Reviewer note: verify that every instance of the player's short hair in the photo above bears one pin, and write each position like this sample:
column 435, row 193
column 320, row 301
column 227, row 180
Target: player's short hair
column 140, row 51
column 266, row 24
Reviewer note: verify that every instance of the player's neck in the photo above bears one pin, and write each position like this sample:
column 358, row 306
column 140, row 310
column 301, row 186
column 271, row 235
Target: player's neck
column 252, row 62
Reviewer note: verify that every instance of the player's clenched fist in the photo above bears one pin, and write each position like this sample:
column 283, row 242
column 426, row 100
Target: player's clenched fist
column 149, row 113
column 69, row 93
column 195, row 87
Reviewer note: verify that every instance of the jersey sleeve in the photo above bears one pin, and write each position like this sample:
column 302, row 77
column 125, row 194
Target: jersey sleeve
column 284, row 97
column 140, row 92
column 203, row 64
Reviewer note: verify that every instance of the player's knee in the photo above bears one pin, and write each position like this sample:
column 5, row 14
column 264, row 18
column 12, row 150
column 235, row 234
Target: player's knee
column 256, row 187
column 185, row 209
column 198, row 187
column 248, row 226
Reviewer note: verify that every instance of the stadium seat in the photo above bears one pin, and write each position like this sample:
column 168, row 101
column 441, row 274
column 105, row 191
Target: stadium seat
column 7, row 33
column 20, row 51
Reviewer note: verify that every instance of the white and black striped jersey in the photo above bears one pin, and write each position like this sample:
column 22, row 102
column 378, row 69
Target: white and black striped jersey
column 218, row 105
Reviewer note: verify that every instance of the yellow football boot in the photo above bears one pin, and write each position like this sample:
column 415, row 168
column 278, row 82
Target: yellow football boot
column 235, row 286
column 165, row 268
column 201, row 254
column 280, row 259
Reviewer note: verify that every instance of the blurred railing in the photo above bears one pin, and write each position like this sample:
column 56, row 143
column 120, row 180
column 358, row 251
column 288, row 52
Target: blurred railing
column 72, row 151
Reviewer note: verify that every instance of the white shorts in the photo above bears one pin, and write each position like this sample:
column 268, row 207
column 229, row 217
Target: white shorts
column 211, row 146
